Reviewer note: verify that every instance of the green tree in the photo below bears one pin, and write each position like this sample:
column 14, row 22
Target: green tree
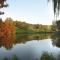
column 58, row 25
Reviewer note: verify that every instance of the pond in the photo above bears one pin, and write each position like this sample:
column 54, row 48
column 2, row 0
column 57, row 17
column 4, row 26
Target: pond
column 29, row 46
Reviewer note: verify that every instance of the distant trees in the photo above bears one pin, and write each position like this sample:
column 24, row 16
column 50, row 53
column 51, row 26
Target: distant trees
column 21, row 25
column 53, row 27
column 56, row 26
column 33, row 27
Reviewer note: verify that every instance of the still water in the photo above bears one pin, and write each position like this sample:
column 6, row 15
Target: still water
column 29, row 47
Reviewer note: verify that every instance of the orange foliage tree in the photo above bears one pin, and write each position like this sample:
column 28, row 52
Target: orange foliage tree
column 9, row 27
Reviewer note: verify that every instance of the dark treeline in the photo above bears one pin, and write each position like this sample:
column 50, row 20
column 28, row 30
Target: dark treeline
column 9, row 26
column 33, row 27
column 56, row 26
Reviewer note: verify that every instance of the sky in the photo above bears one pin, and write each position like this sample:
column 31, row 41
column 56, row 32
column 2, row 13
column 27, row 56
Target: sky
column 30, row 11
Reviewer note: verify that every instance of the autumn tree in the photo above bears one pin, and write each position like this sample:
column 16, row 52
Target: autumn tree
column 9, row 27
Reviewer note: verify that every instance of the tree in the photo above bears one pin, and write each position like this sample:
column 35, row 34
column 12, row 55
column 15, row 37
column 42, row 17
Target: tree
column 56, row 5
column 2, row 4
column 10, row 26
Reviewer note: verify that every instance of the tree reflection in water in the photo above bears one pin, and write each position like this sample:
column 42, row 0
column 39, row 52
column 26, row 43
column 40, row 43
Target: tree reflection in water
column 56, row 40
column 27, row 37
column 8, row 41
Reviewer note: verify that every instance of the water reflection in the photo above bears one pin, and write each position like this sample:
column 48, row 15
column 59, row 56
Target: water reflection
column 7, row 41
column 27, row 37
column 56, row 40
column 28, row 47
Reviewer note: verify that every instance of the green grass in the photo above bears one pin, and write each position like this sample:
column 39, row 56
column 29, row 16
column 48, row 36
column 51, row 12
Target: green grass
column 18, row 30
column 24, row 31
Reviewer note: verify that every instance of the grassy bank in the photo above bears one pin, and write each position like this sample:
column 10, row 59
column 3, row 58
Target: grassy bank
column 23, row 31
column 18, row 30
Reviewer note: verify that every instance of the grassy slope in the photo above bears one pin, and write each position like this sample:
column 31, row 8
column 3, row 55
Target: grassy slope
column 18, row 30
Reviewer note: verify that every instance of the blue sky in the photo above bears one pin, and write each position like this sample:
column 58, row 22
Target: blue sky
column 30, row 11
